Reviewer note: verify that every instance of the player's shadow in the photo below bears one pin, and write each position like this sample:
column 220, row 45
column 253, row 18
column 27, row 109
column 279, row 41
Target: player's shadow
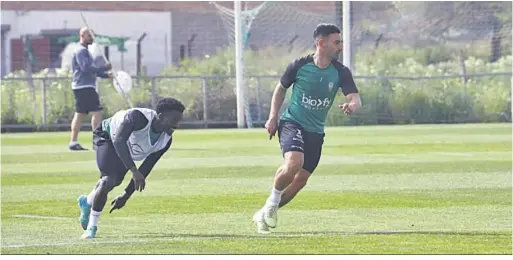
column 313, row 234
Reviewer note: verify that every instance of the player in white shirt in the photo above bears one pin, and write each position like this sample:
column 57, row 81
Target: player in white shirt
column 134, row 134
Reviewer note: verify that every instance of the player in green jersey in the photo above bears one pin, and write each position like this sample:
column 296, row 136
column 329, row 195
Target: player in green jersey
column 316, row 79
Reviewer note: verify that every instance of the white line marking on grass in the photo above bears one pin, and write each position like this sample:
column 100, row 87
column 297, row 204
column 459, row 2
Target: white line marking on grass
column 453, row 153
column 86, row 242
column 178, row 237
column 192, row 237
column 41, row 217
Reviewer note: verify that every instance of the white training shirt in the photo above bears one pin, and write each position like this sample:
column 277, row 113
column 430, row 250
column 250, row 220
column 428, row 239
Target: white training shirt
column 139, row 143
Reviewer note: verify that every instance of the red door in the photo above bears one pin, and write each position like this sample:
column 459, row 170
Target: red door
column 40, row 50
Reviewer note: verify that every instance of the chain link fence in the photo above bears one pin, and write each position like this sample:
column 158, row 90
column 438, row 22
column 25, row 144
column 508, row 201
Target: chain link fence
column 211, row 100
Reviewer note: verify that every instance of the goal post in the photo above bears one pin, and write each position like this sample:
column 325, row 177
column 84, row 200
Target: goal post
column 239, row 65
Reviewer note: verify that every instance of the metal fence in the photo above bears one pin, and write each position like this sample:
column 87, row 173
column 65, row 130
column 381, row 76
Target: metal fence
column 211, row 100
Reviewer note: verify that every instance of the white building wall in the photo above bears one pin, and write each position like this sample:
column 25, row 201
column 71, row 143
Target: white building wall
column 157, row 25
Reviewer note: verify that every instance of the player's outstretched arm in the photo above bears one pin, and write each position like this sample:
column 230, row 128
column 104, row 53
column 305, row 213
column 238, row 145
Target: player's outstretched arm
column 145, row 170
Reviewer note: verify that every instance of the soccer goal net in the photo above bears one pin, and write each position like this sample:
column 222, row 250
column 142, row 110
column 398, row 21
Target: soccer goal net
column 272, row 34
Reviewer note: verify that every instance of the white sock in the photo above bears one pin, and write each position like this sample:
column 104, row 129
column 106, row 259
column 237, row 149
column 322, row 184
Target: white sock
column 73, row 142
column 275, row 197
column 93, row 218
column 90, row 197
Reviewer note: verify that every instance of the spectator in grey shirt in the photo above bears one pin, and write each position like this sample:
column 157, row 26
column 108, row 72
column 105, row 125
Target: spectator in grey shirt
column 84, row 88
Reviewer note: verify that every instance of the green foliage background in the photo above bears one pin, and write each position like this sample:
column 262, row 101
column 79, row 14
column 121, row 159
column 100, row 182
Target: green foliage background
column 385, row 101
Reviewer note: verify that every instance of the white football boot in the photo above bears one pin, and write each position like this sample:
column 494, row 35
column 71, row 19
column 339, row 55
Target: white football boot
column 258, row 219
column 271, row 214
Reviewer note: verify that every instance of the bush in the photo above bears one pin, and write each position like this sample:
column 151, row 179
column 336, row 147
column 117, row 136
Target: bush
column 385, row 101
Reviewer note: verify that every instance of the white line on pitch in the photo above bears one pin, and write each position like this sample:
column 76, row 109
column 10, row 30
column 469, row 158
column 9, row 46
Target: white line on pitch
column 453, row 153
column 76, row 243
column 192, row 237
column 41, row 217
column 198, row 237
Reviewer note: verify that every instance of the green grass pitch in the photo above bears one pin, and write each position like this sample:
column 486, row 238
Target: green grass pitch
column 423, row 189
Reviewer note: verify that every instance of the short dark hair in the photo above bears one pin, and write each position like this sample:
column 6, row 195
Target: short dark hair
column 169, row 104
column 324, row 30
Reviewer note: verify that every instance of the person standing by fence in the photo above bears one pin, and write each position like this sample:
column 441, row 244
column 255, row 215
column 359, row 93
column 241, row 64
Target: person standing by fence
column 84, row 88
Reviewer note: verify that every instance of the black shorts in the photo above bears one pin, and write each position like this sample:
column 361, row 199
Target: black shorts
column 107, row 159
column 294, row 138
column 86, row 100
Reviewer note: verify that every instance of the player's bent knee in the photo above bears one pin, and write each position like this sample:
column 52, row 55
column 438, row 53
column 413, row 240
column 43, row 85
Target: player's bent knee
column 108, row 183
column 293, row 162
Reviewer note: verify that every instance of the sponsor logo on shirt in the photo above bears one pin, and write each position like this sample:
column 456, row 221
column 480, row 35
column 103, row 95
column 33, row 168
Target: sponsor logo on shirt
column 314, row 103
